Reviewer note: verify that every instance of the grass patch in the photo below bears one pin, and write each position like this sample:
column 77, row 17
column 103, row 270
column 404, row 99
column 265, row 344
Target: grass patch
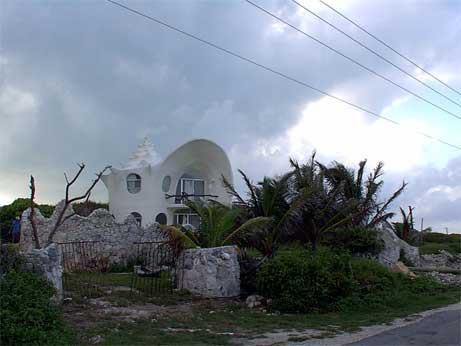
column 208, row 322
column 435, row 248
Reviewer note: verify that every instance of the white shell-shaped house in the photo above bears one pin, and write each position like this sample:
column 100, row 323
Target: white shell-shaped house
column 154, row 190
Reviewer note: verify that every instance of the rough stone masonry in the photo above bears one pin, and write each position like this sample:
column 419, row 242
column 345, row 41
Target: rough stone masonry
column 116, row 238
column 212, row 273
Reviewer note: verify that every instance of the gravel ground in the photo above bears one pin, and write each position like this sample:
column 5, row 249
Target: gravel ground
column 356, row 338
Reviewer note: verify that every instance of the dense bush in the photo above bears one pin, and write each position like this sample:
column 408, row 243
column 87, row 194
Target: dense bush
column 434, row 237
column 26, row 312
column 86, row 208
column 303, row 282
column 9, row 212
column 434, row 242
column 10, row 258
column 299, row 280
column 356, row 240
column 435, row 248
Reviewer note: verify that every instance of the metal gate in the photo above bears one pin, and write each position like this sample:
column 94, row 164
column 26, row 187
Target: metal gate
column 84, row 267
column 156, row 268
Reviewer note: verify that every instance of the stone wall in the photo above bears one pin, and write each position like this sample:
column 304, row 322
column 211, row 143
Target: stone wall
column 213, row 272
column 392, row 246
column 46, row 262
column 116, row 238
column 443, row 259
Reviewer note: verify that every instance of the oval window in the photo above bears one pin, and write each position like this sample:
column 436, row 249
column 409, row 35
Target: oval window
column 161, row 219
column 166, row 183
column 133, row 183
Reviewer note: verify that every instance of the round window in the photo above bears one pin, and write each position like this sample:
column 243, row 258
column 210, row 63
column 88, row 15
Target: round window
column 161, row 219
column 166, row 183
column 133, row 183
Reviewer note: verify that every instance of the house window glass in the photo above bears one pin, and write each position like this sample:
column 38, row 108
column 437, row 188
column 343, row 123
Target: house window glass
column 133, row 183
column 187, row 218
column 137, row 217
column 166, row 183
column 161, row 219
column 192, row 187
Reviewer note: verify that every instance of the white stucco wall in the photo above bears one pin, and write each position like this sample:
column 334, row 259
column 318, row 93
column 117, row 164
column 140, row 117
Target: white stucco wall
column 200, row 157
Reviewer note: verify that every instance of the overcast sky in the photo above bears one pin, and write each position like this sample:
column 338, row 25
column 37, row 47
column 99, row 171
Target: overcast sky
column 86, row 81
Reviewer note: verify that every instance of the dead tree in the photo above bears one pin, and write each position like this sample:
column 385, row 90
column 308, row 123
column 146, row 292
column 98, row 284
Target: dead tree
column 68, row 201
column 32, row 213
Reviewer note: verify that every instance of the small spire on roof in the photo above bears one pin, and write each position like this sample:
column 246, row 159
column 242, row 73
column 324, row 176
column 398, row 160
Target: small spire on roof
column 144, row 155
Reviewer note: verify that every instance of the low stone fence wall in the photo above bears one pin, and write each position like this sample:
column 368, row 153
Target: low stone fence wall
column 48, row 263
column 211, row 273
column 117, row 238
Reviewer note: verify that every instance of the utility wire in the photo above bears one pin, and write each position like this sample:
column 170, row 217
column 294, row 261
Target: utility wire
column 389, row 46
column 280, row 74
column 352, row 60
column 375, row 53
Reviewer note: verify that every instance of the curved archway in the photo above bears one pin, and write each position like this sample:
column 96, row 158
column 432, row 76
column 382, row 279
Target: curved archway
column 137, row 217
column 161, row 218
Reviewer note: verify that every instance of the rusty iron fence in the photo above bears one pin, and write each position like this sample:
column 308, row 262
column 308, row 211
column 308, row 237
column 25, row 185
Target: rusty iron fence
column 83, row 268
column 152, row 270
column 156, row 268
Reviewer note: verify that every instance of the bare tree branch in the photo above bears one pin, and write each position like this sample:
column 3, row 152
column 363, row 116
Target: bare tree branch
column 68, row 201
column 32, row 213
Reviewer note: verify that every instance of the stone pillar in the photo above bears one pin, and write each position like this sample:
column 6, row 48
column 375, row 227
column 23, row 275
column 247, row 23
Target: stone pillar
column 47, row 262
column 211, row 273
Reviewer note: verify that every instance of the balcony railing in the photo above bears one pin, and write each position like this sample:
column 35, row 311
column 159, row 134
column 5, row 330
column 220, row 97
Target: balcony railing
column 184, row 197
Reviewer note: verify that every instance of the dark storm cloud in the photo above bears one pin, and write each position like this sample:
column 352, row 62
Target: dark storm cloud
column 95, row 79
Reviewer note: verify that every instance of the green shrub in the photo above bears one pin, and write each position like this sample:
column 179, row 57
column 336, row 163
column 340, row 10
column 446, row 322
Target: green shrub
column 299, row 281
column 356, row 240
column 435, row 237
column 9, row 212
column 26, row 313
column 10, row 258
column 302, row 281
column 435, row 248
column 371, row 277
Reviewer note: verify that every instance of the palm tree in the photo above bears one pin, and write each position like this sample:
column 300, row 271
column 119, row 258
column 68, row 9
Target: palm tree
column 267, row 199
column 219, row 226
column 321, row 208
column 362, row 195
column 404, row 228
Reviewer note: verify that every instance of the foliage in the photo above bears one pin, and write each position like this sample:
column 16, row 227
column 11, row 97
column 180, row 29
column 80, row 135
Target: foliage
column 86, row 208
column 27, row 314
column 9, row 212
column 266, row 199
column 10, row 258
column 219, row 226
column 320, row 210
column 433, row 243
column 310, row 201
column 301, row 281
column 298, row 280
column 361, row 195
column 404, row 228
column 357, row 240
column 435, row 248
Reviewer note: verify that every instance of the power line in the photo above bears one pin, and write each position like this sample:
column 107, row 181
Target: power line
column 266, row 68
column 389, row 46
column 375, row 53
column 352, row 60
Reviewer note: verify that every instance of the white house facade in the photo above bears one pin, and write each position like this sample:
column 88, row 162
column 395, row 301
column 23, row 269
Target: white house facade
column 154, row 190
